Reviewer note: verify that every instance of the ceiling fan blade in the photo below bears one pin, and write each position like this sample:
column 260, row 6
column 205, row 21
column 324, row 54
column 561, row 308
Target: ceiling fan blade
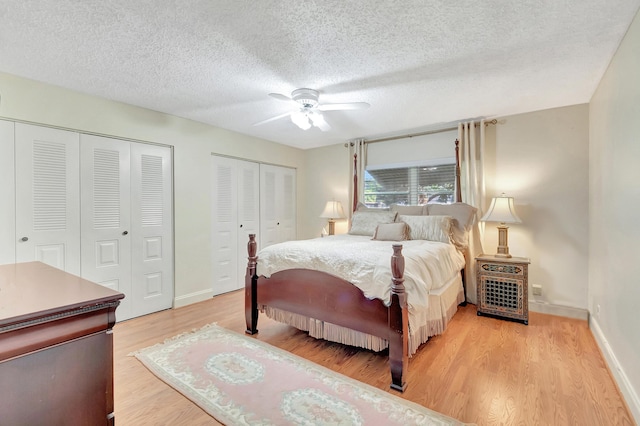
column 343, row 107
column 277, row 117
column 281, row 97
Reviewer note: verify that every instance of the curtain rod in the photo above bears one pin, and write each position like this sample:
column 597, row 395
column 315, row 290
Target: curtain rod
column 428, row 132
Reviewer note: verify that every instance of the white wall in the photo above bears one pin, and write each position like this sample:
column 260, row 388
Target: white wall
column 541, row 159
column 614, row 228
column 193, row 144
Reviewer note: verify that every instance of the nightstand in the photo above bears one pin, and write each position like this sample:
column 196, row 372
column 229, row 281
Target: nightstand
column 502, row 287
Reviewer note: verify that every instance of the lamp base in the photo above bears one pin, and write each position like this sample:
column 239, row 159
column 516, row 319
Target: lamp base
column 332, row 227
column 503, row 237
column 506, row 255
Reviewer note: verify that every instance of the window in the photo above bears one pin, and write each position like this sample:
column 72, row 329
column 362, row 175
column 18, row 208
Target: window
column 409, row 185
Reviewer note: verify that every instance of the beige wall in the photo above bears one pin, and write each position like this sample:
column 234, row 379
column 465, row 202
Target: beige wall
column 327, row 170
column 541, row 159
column 614, row 228
column 193, row 144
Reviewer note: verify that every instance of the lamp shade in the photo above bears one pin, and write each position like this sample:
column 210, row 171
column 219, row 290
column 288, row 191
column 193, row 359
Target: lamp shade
column 333, row 210
column 501, row 210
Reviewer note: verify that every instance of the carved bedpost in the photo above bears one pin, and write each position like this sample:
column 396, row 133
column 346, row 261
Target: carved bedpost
column 355, row 183
column 398, row 322
column 251, row 288
column 458, row 188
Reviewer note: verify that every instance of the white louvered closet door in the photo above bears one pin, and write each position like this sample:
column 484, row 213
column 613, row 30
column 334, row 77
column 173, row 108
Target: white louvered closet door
column 105, row 215
column 235, row 211
column 268, row 206
column 287, row 202
column 277, row 204
column 7, row 194
column 47, row 196
column 151, row 228
column 224, row 219
column 248, row 212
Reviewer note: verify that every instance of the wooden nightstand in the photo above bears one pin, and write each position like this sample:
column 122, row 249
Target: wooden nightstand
column 502, row 287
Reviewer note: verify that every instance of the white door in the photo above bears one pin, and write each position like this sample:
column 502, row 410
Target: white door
column 151, row 232
column 224, row 222
column 268, row 206
column 105, row 215
column 248, row 212
column 7, row 195
column 287, row 203
column 277, row 204
column 47, row 196
column 235, row 207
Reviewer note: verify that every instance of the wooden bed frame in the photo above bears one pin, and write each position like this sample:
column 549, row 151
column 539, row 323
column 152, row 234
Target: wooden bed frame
column 331, row 299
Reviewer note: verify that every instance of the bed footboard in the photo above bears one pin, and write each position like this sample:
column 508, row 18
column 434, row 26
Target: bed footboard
column 331, row 299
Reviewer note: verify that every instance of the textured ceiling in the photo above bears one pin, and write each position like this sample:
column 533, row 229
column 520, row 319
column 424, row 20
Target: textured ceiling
column 420, row 64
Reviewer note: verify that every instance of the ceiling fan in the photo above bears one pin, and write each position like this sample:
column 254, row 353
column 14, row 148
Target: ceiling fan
column 308, row 110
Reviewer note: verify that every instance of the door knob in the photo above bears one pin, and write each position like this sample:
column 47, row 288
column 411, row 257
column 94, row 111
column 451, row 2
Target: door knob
column 125, row 232
column 24, row 239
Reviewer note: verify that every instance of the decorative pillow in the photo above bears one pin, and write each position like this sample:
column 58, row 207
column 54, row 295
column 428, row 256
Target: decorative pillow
column 431, row 228
column 365, row 223
column 464, row 214
column 397, row 231
column 409, row 210
column 463, row 219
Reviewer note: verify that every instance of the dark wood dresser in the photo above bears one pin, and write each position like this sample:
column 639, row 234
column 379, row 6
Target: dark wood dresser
column 56, row 347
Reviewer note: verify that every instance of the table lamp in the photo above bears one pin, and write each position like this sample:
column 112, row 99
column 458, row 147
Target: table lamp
column 332, row 211
column 502, row 211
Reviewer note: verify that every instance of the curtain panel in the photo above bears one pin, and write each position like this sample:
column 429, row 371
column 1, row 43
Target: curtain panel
column 472, row 147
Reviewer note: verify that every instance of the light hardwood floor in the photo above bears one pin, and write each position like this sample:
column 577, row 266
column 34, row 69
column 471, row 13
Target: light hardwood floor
column 482, row 370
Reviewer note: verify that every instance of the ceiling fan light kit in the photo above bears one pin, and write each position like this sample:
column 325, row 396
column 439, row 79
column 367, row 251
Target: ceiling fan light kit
column 308, row 111
column 308, row 98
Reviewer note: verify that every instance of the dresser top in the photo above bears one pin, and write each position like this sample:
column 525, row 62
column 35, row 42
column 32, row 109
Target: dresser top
column 33, row 290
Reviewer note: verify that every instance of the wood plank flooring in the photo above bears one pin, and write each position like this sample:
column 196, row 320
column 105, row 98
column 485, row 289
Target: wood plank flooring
column 482, row 370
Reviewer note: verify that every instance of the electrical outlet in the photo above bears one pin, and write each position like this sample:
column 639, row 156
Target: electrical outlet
column 537, row 289
column 598, row 309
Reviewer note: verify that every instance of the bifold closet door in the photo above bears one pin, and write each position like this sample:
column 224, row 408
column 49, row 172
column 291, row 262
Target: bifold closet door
column 235, row 214
column 7, row 194
column 151, row 228
column 127, row 237
column 47, row 196
column 277, row 204
column 105, row 215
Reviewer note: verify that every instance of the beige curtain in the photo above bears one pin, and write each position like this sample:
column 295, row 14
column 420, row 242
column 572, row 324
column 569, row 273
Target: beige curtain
column 472, row 141
column 357, row 164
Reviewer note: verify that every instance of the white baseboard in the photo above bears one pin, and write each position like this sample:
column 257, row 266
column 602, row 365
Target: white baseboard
column 188, row 299
column 627, row 390
column 562, row 311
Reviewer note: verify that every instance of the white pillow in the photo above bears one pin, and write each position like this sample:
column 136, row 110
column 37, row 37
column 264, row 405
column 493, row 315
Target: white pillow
column 431, row 228
column 365, row 223
column 396, row 231
column 463, row 215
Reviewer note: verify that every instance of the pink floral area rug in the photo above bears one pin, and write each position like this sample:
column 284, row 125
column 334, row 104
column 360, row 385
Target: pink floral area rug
column 241, row 380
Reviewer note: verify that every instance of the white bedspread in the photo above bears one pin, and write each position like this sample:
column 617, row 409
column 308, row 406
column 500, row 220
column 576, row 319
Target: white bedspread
column 366, row 263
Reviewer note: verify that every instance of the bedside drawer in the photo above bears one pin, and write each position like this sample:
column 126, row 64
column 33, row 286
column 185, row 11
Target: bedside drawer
column 501, row 268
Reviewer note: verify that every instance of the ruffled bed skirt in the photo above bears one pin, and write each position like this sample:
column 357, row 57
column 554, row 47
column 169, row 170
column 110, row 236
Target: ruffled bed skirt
column 442, row 307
